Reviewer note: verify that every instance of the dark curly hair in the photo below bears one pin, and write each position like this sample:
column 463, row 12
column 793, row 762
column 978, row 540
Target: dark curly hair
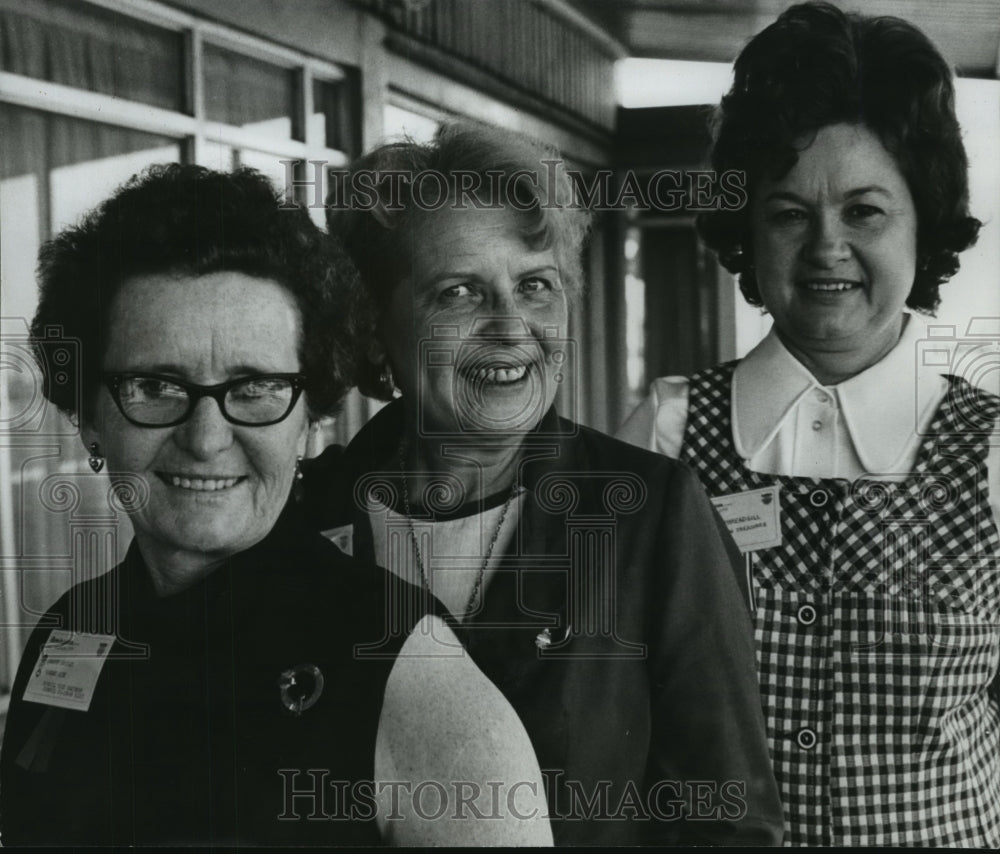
column 193, row 221
column 816, row 66
column 377, row 204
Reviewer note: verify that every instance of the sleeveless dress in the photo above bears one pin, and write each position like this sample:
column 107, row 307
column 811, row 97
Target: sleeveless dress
column 877, row 632
column 243, row 710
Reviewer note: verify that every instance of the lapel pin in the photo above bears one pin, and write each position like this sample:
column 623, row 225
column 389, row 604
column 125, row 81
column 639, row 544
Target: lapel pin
column 544, row 639
column 301, row 687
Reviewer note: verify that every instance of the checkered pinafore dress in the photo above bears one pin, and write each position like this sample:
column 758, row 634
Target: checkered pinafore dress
column 877, row 633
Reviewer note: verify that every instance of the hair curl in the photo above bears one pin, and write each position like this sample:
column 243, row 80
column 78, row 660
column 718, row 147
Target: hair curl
column 817, row 66
column 189, row 220
column 375, row 207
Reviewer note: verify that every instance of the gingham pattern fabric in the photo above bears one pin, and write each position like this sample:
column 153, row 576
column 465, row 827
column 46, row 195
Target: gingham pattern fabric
column 877, row 633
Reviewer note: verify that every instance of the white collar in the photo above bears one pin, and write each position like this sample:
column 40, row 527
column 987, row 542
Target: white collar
column 879, row 405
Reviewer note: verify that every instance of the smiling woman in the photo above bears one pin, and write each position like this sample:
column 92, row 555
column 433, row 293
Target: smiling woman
column 592, row 581
column 876, row 616
column 177, row 699
column 835, row 240
column 500, row 314
column 214, row 486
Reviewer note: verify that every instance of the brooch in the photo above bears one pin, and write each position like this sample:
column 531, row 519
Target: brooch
column 301, row 687
column 544, row 639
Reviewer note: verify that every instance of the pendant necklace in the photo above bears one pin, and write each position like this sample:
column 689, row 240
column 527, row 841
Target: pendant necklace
column 477, row 587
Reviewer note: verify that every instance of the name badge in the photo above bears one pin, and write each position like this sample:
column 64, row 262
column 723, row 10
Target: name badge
column 753, row 518
column 67, row 669
column 342, row 538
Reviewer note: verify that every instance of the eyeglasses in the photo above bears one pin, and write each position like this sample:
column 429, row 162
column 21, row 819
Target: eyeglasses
column 154, row 400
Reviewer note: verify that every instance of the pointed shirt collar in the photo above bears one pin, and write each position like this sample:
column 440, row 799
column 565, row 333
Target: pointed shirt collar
column 879, row 406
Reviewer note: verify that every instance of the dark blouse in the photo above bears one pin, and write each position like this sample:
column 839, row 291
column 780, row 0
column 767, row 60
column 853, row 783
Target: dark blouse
column 189, row 737
column 643, row 709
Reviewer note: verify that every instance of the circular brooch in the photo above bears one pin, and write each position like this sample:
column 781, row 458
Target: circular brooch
column 301, row 687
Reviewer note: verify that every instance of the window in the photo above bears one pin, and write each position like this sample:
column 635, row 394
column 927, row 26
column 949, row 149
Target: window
column 248, row 93
column 336, row 108
column 88, row 47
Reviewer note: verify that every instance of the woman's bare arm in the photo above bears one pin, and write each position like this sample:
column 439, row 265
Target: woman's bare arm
column 453, row 763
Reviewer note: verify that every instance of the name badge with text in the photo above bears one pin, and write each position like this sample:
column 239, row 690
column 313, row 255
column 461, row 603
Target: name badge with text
column 753, row 518
column 67, row 669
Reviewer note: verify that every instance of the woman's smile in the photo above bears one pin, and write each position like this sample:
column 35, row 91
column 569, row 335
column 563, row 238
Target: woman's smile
column 828, row 286
column 493, row 366
column 200, row 483
column 500, row 374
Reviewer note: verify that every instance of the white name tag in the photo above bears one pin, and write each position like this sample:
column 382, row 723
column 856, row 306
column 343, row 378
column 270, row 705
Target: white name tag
column 342, row 538
column 753, row 518
column 67, row 669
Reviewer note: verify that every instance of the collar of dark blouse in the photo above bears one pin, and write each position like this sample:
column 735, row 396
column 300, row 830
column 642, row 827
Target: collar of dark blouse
column 255, row 565
column 329, row 479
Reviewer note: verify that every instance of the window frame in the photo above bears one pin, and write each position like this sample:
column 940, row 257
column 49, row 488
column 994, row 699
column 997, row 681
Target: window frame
column 189, row 127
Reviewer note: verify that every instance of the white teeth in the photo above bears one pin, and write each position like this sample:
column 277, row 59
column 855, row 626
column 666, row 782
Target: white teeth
column 501, row 375
column 203, row 485
column 829, row 286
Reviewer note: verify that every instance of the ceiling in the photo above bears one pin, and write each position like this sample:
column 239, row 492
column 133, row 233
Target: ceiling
column 967, row 32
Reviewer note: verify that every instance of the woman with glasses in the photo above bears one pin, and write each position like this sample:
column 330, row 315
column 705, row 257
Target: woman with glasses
column 236, row 679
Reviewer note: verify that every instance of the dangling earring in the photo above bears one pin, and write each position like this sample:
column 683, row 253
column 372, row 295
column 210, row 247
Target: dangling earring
column 386, row 375
column 96, row 458
column 297, row 483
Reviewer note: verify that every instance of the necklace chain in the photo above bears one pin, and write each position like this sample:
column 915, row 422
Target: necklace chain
column 477, row 587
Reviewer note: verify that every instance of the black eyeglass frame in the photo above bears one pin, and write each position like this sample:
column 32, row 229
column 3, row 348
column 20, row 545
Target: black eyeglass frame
column 196, row 392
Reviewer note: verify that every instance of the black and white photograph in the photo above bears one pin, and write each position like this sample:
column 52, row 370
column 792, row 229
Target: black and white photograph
column 500, row 423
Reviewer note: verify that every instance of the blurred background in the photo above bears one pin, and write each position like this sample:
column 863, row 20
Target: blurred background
column 91, row 91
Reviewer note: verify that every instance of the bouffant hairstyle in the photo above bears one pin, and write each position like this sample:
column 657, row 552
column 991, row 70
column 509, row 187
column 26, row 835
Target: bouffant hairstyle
column 384, row 195
column 816, row 66
column 192, row 221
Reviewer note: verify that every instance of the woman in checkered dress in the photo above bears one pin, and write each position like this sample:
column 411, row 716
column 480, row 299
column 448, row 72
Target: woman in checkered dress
column 854, row 465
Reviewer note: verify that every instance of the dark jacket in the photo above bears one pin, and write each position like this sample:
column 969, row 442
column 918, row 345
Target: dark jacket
column 644, row 711
column 189, row 737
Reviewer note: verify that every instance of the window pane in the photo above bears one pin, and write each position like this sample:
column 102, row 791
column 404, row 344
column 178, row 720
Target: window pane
column 79, row 45
column 336, row 118
column 52, row 169
column 217, row 156
column 247, row 92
